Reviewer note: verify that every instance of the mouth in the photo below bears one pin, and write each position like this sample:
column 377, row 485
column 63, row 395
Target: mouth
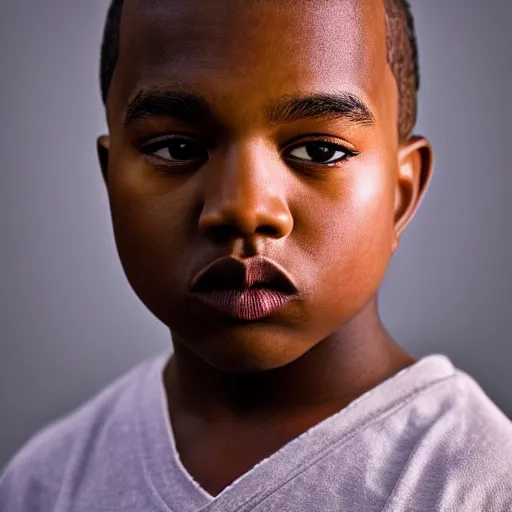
column 244, row 289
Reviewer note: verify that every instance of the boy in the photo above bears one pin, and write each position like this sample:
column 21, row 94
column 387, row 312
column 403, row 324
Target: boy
column 260, row 169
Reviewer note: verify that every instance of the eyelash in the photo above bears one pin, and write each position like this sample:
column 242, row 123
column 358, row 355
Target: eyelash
column 164, row 141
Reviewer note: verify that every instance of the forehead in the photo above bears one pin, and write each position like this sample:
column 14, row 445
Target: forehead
column 249, row 51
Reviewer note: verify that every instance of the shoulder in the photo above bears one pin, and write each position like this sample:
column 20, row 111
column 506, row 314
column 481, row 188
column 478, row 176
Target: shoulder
column 36, row 474
column 462, row 457
column 470, row 418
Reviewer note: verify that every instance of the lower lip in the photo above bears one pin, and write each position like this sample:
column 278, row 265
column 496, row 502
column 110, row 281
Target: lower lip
column 252, row 304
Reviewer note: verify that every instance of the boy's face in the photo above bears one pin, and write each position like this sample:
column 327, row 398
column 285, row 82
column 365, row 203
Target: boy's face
column 247, row 185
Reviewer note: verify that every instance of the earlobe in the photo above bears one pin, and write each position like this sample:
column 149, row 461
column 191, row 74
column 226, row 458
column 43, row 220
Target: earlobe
column 415, row 166
column 102, row 146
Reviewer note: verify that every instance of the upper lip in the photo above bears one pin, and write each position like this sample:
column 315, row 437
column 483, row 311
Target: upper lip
column 232, row 273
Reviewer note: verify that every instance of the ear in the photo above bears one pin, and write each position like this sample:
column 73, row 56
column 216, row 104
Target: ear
column 102, row 146
column 415, row 166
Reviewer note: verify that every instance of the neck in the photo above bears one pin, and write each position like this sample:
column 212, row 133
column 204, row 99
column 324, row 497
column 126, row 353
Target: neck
column 340, row 368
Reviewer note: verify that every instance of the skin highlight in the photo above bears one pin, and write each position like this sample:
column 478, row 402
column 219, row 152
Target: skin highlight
column 333, row 228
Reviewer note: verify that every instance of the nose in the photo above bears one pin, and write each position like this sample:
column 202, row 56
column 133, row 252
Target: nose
column 245, row 195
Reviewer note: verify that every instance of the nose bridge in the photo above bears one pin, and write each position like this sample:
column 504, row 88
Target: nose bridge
column 245, row 175
column 244, row 190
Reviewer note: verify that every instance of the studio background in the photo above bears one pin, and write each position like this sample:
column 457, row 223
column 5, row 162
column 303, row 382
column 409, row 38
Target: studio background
column 69, row 322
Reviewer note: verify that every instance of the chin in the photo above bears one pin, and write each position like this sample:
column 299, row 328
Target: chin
column 233, row 345
column 246, row 349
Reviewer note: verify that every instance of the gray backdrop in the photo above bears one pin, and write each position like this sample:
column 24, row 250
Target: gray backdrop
column 69, row 323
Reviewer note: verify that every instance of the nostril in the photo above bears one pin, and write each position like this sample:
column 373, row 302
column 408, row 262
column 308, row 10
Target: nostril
column 222, row 233
column 243, row 219
column 268, row 230
column 226, row 232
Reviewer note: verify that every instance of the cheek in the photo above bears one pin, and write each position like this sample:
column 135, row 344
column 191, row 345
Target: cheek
column 352, row 237
column 368, row 211
column 150, row 217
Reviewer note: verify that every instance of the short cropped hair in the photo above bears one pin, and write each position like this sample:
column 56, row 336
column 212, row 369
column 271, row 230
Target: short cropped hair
column 401, row 44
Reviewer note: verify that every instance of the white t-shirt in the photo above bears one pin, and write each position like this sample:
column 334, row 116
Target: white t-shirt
column 428, row 439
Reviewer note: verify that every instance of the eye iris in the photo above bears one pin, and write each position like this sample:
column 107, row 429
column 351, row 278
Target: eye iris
column 320, row 152
column 183, row 150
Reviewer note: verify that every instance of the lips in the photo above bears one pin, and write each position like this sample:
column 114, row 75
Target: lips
column 244, row 289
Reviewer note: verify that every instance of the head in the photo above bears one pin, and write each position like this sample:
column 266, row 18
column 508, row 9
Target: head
column 273, row 127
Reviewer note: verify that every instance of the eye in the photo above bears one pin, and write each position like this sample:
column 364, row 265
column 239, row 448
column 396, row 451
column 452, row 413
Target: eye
column 321, row 152
column 176, row 149
column 179, row 149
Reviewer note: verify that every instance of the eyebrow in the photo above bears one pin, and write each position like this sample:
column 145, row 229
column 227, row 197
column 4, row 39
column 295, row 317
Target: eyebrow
column 190, row 107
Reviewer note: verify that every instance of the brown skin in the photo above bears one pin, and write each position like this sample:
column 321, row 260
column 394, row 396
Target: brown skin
column 238, row 391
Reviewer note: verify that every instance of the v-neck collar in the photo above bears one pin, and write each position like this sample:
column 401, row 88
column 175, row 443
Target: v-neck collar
column 174, row 486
